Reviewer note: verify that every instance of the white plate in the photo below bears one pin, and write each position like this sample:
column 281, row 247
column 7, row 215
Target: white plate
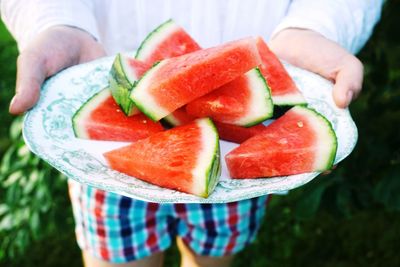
column 48, row 133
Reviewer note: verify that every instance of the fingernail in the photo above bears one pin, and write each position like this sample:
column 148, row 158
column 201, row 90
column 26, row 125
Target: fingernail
column 12, row 104
column 12, row 101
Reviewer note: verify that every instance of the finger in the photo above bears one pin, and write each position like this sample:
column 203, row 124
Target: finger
column 348, row 82
column 31, row 72
column 96, row 51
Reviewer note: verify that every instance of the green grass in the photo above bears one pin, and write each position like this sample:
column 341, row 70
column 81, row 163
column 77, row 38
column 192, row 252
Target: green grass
column 8, row 54
column 348, row 218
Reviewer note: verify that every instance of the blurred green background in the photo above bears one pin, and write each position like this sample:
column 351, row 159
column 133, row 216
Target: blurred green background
column 350, row 217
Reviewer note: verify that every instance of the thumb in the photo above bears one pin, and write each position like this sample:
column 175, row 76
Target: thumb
column 348, row 82
column 53, row 50
column 31, row 73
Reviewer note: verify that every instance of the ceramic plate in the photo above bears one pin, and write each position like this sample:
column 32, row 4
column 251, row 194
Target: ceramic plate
column 48, row 133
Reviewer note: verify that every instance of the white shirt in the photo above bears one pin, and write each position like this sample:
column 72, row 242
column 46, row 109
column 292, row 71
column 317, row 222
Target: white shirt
column 120, row 25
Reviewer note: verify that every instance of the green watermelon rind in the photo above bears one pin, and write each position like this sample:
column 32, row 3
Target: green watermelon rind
column 150, row 37
column 213, row 172
column 268, row 101
column 171, row 120
column 121, row 86
column 85, row 109
column 142, row 105
column 331, row 133
column 286, row 100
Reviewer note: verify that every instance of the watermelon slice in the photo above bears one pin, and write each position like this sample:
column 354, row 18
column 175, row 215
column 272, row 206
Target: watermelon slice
column 174, row 82
column 245, row 101
column 284, row 90
column 185, row 158
column 300, row 141
column 245, row 94
column 166, row 41
column 124, row 73
column 100, row 118
column 237, row 134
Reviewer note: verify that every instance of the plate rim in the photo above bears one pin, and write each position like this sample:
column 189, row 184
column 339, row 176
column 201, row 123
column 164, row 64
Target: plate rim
column 178, row 198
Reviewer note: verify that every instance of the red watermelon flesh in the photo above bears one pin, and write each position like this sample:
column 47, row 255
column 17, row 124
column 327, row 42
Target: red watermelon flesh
column 177, row 81
column 284, row 90
column 237, row 134
column 138, row 67
column 223, row 104
column 166, row 41
column 245, row 101
column 300, row 141
column 185, row 158
column 100, row 118
column 232, row 103
column 227, row 132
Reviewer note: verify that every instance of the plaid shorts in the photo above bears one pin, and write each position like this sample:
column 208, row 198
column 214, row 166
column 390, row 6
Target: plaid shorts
column 119, row 229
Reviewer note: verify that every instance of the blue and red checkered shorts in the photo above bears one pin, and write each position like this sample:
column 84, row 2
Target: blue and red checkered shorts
column 119, row 229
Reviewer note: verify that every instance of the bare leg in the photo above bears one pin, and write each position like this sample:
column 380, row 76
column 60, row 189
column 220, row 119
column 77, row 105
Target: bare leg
column 190, row 259
column 155, row 260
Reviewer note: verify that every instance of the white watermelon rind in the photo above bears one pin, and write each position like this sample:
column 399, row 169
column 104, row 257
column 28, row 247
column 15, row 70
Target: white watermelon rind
column 121, row 84
column 262, row 107
column 154, row 38
column 292, row 99
column 208, row 168
column 327, row 138
column 82, row 115
column 295, row 99
column 143, row 100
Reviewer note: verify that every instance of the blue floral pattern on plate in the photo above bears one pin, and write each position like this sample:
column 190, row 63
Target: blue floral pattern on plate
column 48, row 133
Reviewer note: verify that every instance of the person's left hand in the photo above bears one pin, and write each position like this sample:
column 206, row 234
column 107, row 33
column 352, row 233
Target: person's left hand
column 52, row 50
column 311, row 51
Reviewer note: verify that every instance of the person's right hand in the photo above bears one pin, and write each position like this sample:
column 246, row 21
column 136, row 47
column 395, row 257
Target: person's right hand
column 51, row 51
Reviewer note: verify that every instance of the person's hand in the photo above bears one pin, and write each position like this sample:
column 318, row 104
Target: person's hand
column 53, row 50
column 311, row 51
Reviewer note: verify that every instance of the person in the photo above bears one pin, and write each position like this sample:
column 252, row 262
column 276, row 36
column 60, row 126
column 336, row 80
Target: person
column 113, row 230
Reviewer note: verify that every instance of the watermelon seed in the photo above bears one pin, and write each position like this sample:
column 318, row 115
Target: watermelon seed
column 300, row 124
